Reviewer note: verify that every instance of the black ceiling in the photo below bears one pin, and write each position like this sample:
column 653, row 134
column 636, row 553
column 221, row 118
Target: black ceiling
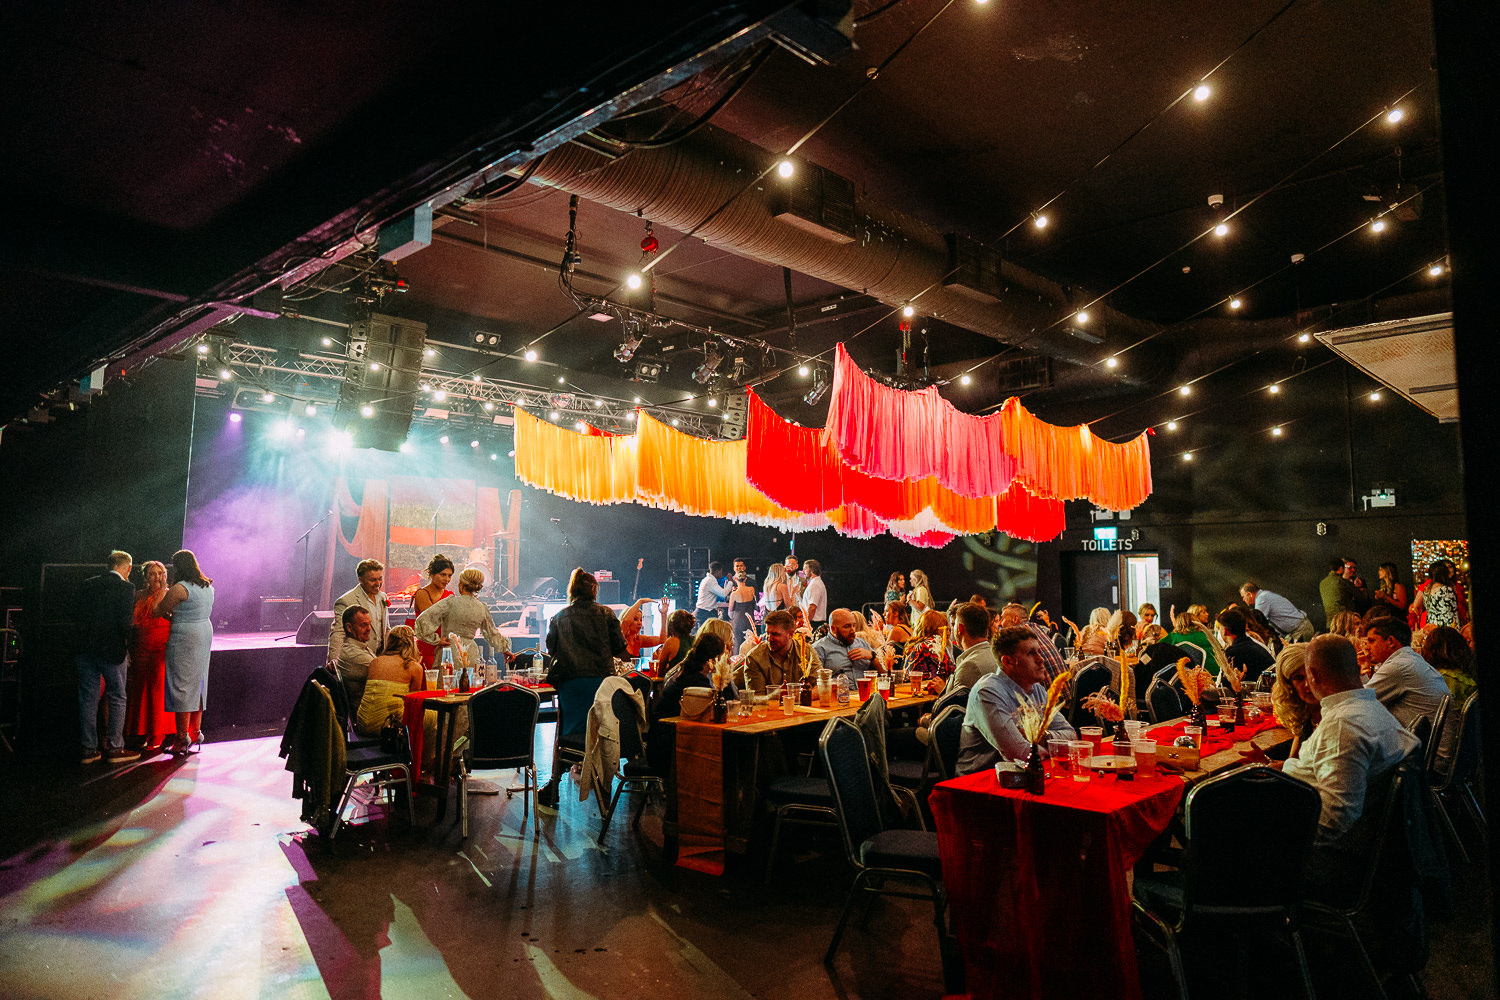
column 162, row 155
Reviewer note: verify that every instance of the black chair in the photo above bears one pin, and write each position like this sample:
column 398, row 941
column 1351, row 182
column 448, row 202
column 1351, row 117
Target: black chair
column 878, row 855
column 1461, row 772
column 574, row 699
column 1091, row 678
column 384, row 769
column 502, row 734
column 636, row 775
column 801, row 800
column 1251, row 805
column 1163, row 700
column 1388, row 867
column 642, row 685
column 1195, row 653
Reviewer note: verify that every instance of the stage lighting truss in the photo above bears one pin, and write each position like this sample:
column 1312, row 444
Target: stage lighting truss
column 316, row 379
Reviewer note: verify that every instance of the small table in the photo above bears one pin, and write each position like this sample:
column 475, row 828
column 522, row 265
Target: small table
column 447, row 705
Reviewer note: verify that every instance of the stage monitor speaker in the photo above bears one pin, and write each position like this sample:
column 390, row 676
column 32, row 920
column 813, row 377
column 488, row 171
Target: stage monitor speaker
column 609, row 592
column 389, row 389
column 315, row 628
column 540, row 589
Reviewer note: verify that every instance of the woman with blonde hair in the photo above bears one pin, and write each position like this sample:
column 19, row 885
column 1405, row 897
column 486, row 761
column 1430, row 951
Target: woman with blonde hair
column 1149, row 631
column 927, row 650
column 919, row 597
column 1345, row 623
column 394, row 673
column 778, row 595
column 462, row 615
column 1295, row 705
column 1093, row 640
column 145, row 717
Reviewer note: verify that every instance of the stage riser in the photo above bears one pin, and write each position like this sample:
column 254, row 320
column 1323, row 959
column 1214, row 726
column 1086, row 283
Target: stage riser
column 259, row 685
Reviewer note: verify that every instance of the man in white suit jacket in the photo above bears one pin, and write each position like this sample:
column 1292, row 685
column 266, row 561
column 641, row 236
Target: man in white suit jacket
column 369, row 596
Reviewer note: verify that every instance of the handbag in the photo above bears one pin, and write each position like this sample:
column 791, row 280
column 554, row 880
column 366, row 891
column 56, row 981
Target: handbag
column 393, row 737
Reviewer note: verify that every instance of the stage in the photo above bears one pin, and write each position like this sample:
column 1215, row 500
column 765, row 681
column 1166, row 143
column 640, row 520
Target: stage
column 253, row 680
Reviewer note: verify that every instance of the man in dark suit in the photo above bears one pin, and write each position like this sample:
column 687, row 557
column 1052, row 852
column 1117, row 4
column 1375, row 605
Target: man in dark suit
column 105, row 615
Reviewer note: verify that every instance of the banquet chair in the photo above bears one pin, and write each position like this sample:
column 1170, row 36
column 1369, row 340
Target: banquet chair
column 1389, row 867
column 1461, row 772
column 909, row 857
column 574, row 699
column 385, row 770
column 1194, row 653
column 636, row 775
column 642, row 685
column 802, row 800
column 1163, row 700
column 1091, row 677
column 1255, row 805
column 502, row 734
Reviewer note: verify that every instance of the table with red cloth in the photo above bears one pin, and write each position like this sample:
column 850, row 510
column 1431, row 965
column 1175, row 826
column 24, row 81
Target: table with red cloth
column 1037, row 884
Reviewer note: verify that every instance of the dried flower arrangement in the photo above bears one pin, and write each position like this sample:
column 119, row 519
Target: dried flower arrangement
column 1032, row 723
column 1195, row 680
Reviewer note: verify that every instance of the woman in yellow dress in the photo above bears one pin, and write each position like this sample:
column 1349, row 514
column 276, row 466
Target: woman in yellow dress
column 396, row 671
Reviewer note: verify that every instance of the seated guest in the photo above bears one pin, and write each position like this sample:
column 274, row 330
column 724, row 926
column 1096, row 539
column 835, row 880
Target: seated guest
column 368, row 595
column 1405, row 683
column 897, row 614
column 1014, row 616
column 842, row 650
column 928, row 649
column 972, row 632
column 1293, row 702
column 1149, row 631
column 354, row 656
column 991, row 733
column 1345, row 623
column 1187, row 631
column 1355, row 744
column 680, row 626
column 779, row 658
column 632, row 624
column 392, row 674
column 661, row 737
column 1244, row 652
column 1094, row 639
column 1451, row 656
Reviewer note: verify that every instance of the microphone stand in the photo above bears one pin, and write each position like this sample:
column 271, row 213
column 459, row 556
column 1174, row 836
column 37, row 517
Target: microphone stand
column 303, row 541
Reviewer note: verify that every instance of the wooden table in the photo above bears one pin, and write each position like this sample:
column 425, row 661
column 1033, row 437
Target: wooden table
column 714, row 794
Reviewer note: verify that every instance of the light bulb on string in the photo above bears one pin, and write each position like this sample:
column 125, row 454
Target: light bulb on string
column 1185, row 390
column 1377, row 225
column 964, row 379
column 1276, row 432
column 530, row 354
column 633, row 281
column 1304, row 338
column 1222, row 229
column 1375, row 396
column 785, row 169
column 1435, row 270
column 802, row 370
column 1039, row 220
column 1082, row 317
column 1235, row 302
column 1111, row 362
column 1273, row 388
column 1187, row 456
column 1394, row 116
column 908, row 311
column 1171, row 425
column 1201, row 92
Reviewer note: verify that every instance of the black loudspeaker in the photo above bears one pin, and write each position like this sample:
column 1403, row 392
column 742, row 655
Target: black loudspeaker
column 315, row 628
column 280, row 613
column 375, row 403
column 609, row 592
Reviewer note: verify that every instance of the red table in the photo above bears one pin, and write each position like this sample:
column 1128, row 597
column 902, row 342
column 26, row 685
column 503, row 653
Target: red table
column 1037, row 884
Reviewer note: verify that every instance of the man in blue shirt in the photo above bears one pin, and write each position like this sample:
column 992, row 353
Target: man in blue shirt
column 991, row 732
column 841, row 650
column 1283, row 615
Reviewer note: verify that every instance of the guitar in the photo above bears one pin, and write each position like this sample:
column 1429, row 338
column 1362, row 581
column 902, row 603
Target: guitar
column 636, row 589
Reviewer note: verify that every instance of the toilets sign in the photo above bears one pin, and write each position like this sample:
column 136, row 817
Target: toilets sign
column 1108, row 540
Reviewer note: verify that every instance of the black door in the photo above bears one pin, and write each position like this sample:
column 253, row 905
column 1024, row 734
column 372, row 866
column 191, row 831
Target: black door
column 1089, row 580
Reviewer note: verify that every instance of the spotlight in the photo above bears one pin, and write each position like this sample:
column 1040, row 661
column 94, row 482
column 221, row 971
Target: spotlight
column 629, row 344
column 908, row 311
column 1235, row 302
column 802, row 370
column 1201, row 92
column 630, row 416
column 310, row 410
column 1171, row 425
column 374, row 366
column 1039, row 221
column 1304, row 338
column 494, row 457
column 1111, row 362
column 819, row 390
column 225, row 374
column 202, row 348
column 530, row 354
column 488, row 406
column 1276, row 432
column 637, row 400
column 712, row 359
column 404, row 447
column 429, row 353
column 552, row 415
column 633, row 281
column 713, row 401
column 478, row 338
column 1185, row 390
column 579, row 426
column 327, row 341
column 964, row 379
column 1394, row 115
column 510, row 454
column 1187, row 456
column 598, row 403
column 1273, row 388
column 1375, row 396
column 235, row 418
column 367, row 411
column 675, row 422
column 268, row 397
column 1377, row 225
column 1081, row 317
column 1435, row 270
column 477, row 379
column 443, row 439
column 785, row 169
column 440, row 396
column 561, row 380
column 473, row 444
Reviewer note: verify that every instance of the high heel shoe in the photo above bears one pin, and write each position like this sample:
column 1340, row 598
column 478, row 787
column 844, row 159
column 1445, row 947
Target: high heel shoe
column 195, row 742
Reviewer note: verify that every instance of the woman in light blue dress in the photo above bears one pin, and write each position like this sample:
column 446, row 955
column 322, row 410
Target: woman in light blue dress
column 190, row 605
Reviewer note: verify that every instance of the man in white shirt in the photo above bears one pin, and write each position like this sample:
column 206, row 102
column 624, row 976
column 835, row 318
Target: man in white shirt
column 710, row 593
column 1407, row 685
column 794, row 582
column 1354, row 745
column 971, row 632
column 815, row 595
column 369, row 596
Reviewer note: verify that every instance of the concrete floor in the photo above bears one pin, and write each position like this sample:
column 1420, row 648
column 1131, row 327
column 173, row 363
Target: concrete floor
column 195, row 878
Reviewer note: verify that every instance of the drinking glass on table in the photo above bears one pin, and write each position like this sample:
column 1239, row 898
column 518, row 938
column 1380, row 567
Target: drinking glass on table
column 1134, row 728
column 883, row 685
column 747, row 703
column 1060, row 752
column 789, row 694
column 1081, row 751
column 864, row 687
column 430, row 677
column 915, row 679
column 1145, row 757
column 1196, row 732
column 1093, row 734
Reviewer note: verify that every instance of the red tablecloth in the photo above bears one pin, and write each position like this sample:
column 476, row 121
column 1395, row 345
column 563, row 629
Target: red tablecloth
column 1037, row 884
column 411, row 714
column 1215, row 740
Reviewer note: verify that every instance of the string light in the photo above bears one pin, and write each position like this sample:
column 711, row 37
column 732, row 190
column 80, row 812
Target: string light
column 1082, row 316
column 1276, row 432
column 964, row 380
column 908, row 311
column 1304, row 338
column 675, row 422
column 1201, row 92
column 374, row 366
column 443, row 439
column 1436, row 270
column 637, row 401
column 440, row 396
column 327, row 341
column 1111, row 362
column 1186, row 390
column 712, row 401
column 1171, row 425
column 1394, row 116
column 802, row 370
column 1377, row 225
column 429, row 353
column 633, row 281
column 1273, row 388
column 1235, row 302
column 1187, row 456
column 530, row 354
column 1375, row 396
column 561, row 380
column 1039, row 221
column 1222, row 229
column 367, row 411
column 785, row 169
column 477, row 379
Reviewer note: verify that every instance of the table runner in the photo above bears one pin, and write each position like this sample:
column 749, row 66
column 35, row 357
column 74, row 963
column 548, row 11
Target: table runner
column 1215, row 740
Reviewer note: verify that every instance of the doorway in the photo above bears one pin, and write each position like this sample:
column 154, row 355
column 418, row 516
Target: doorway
column 1142, row 584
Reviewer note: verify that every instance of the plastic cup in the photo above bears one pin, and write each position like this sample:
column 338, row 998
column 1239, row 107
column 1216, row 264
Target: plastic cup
column 864, row 688
column 747, row 703
column 1061, row 754
column 1196, row 732
column 883, row 685
column 431, row 680
column 1145, row 757
column 789, row 698
column 1081, row 751
column 1134, row 728
column 916, row 682
column 1094, row 735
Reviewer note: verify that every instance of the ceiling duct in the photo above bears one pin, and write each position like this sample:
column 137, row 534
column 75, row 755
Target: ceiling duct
column 891, row 257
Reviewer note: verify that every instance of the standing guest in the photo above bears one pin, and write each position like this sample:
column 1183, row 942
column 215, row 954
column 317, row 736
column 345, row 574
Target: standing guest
column 739, row 567
column 583, row 640
column 190, row 605
column 146, row 718
column 1014, row 616
column 1285, row 617
column 842, row 651
column 1149, row 632
column 781, row 658
column 741, row 608
column 633, row 621
column 895, row 587
column 919, row 597
column 1243, row 652
column 1390, row 590
column 777, row 595
column 815, row 595
column 1362, row 598
column 1356, row 743
column 972, row 635
column 1437, row 603
column 1292, row 701
column 661, row 738
column 1405, row 683
column 680, row 626
column 353, row 663
column 1337, row 593
column 710, row 592
column 439, row 573
column 794, row 581
column 368, row 595
column 462, row 615
column 990, row 732
column 105, row 606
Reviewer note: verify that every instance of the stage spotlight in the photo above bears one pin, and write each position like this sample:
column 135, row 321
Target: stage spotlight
column 908, row 311
column 1201, row 92
column 310, row 409
column 712, row 359
column 1111, row 362
column 225, row 374
column 712, row 401
column 429, row 353
column 802, row 370
column 268, row 397
column 628, row 346
column 964, row 379
column 202, row 348
column 327, row 341
column 552, row 415
column 443, row 439
column 785, row 169
column 439, row 396
column 494, row 457
column 819, row 390
column 235, row 418
column 473, row 444
column 374, row 366
column 580, row 426
column 488, row 406
column 633, row 281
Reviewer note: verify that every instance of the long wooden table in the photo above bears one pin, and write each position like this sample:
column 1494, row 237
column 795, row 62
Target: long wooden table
column 720, row 771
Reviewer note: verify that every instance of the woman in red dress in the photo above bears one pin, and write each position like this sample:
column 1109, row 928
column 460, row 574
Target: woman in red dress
column 146, row 719
column 439, row 572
